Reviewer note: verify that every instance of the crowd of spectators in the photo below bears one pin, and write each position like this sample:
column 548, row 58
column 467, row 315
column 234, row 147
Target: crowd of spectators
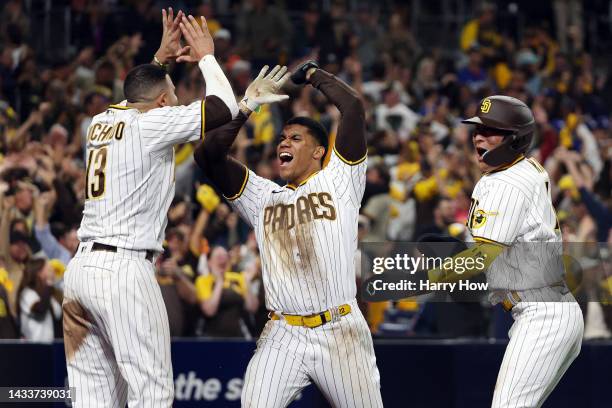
column 421, row 164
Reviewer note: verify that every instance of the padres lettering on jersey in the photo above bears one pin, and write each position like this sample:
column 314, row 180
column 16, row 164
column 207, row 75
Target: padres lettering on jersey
column 130, row 172
column 307, row 208
column 307, row 235
column 512, row 206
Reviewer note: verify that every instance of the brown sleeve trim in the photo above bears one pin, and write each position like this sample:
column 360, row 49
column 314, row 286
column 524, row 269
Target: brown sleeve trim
column 349, row 162
column 244, row 183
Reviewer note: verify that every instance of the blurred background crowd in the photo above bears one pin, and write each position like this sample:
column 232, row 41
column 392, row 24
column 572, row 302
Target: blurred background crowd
column 420, row 67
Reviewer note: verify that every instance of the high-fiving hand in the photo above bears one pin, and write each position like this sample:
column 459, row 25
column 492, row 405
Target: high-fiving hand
column 266, row 88
column 199, row 41
column 170, row 46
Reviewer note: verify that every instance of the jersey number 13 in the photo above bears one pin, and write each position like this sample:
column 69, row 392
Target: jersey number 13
column 95, row 177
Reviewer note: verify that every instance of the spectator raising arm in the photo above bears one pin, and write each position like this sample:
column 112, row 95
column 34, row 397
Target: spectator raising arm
column 51, row 247
column 210, row 305
column 185, row 288
column 6, row 204
column 195, row 239
column 597, row 210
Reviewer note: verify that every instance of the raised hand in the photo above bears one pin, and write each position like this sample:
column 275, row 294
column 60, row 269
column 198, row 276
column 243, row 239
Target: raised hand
column 301, row 75
column 199, row 41
column 170, row 46
column 43, row 205
column 266, row 88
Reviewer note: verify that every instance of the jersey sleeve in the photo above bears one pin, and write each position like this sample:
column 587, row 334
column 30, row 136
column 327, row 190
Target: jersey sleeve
column 164, row 127
column 248, row 202
column 348, row 177
column 497, row 213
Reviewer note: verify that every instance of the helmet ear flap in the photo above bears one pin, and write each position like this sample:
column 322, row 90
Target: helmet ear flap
column 512, row 146
column 515, row 142
column 521, row 144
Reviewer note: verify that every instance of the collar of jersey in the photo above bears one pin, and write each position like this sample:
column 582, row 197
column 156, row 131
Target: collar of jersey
column 294, row 187
column 507, row 166
column 120, row 107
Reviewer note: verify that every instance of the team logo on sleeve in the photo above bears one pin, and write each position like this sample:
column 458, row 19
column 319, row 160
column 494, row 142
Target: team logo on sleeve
column 479, row 218
column 485, row 106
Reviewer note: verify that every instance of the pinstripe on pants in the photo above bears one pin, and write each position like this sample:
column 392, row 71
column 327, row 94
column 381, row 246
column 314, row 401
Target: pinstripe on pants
column 125, row 354
column 338, row 357
column 544, row 340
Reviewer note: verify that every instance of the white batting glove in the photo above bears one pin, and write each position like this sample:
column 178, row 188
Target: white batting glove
column 266, row 88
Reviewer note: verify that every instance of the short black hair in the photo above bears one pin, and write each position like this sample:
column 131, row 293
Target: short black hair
column 140, row 80
column 314, row 128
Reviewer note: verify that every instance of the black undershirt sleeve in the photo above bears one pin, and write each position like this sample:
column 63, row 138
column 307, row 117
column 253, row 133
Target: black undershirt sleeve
column 216, row 113
column 351, row 137
column 212, row 156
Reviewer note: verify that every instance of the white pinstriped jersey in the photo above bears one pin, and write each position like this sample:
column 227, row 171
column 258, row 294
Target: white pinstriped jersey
column 130, row 173
column 513, row 206
column 307, row 235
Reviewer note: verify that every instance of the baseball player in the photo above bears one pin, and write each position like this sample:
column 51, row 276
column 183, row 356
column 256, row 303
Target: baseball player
column 307, row 236
column 514, row 227
column 116, row 329
column 517, row 239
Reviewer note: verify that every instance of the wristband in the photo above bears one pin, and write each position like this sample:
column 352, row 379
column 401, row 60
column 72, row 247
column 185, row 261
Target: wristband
column 249, row 103
column 159, row 63
column 217, row 84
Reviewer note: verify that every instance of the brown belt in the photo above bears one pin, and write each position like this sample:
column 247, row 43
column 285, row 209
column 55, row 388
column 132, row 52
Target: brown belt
column 97, row 246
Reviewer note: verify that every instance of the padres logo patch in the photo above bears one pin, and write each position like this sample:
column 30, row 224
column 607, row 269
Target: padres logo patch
column 480, row 218
column 485, row 106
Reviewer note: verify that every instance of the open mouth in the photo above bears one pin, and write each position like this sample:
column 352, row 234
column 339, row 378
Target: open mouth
column 285, row 158
column 481, row 151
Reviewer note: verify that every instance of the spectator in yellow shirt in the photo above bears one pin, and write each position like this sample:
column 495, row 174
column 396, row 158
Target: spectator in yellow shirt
column 224, row 296
column 481, row 32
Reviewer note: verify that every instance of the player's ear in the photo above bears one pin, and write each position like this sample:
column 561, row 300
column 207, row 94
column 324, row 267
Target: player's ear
column 318, row 153
column 162, row 100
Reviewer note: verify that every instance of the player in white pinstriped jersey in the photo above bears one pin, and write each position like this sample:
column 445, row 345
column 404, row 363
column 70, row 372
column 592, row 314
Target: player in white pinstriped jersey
column 512, row 214
column 307, row 236
column 116, row 329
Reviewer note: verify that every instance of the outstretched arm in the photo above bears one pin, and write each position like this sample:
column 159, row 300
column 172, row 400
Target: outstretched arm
column 220, row 105
column 200, row 49
column 212, row 156
column 169, row 125
column 350, row 140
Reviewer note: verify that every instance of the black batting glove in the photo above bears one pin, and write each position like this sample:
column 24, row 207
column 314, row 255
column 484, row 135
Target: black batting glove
column 299, row 76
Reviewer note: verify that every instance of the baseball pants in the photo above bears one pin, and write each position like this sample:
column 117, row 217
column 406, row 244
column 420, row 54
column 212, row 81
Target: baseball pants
column 338, row 357
column 116, row 332
column 544, row 340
